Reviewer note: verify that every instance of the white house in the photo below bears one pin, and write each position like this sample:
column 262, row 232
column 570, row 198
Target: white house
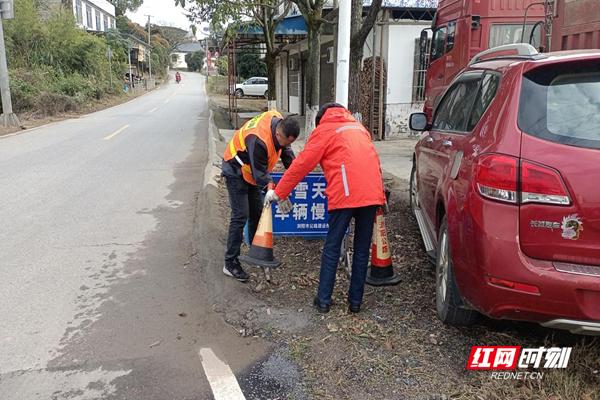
column 394, row 41
column 94, row 15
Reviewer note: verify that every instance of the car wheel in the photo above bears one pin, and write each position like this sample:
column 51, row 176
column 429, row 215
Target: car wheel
column 239, row 93
column 448, row 301
column 266, row 94
column 414, row 190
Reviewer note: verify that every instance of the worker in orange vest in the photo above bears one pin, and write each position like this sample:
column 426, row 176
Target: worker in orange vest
column 249, row 159
column 343, row 148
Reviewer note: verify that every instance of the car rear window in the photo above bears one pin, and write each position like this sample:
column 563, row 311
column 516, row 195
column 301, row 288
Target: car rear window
column 561, row 103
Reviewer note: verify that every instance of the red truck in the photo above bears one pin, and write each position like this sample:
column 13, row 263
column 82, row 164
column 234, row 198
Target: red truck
column 463, row 28
column 576, row 25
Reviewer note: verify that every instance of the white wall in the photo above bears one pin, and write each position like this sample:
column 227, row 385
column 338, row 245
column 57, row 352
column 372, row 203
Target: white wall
column 400, row 63
column 400, row 55
column 100, row 7
column 180, row 61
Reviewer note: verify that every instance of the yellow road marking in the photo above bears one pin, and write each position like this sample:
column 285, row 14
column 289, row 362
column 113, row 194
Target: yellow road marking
column 112, row 135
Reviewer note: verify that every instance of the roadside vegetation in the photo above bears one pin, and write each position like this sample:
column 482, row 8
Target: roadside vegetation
column 56, row 67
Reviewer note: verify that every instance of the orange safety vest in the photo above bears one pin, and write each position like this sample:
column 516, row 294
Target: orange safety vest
column 261, row 127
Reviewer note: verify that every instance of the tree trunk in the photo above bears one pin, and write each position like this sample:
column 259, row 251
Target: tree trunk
column 356, row 55
column 270, row 60
column 313, row 74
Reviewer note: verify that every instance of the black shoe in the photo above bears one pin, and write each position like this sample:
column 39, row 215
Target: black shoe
column 354, row 308
column 235, row 270
column 322, row 308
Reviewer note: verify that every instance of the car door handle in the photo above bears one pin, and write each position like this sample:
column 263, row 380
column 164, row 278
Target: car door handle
column 429, row 139
column 447, row 143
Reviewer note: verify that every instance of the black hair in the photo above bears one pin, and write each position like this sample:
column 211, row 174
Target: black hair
column 324, row 108
column 289, row 126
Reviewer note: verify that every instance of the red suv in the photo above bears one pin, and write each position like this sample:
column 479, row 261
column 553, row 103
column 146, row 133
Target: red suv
column 505, row 187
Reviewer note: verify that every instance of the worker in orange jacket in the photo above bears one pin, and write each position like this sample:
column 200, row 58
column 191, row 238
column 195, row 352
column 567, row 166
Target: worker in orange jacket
column 249, row 158
column 343, row 148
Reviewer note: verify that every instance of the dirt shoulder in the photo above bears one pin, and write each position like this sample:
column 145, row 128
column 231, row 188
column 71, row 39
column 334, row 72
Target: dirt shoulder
column 33, row 119
column 395, row 348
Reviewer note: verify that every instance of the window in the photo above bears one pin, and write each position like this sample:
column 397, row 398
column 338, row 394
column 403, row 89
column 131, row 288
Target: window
column 88, row 13
column 98, row 23
column 263, row 81
column 454, row 109
column 105, row 22
column 79, row 11
column 501, row 34
column 562, row 104
column 438, row 43
column 174, row 58
column 450, row 37
column 487, row 92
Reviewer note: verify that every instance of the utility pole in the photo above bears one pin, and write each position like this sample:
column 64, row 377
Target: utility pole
column 343, row 52
column 149, row 51
column 8, row 117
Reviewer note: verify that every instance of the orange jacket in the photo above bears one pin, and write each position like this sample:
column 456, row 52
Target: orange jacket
column 348, row 158
column 261, row 127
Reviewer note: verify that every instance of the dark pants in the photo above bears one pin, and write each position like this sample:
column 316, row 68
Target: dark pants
column 364, row 217
column 246, row 205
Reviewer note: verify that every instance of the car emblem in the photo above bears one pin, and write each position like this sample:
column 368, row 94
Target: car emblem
column 572, row 225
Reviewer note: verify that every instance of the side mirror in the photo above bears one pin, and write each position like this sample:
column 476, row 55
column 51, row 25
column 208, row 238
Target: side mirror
column 418, row 122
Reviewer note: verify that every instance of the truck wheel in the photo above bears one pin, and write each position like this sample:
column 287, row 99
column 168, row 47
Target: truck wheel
column 449, row 304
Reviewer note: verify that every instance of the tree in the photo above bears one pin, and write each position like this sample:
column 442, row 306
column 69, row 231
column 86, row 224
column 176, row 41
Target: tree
column 359, row 30
column 195, row 60
column 312, row 11
column 266, row 14
column 121, row 6
column 223, row 65
column 249, row 65
column 173, row 35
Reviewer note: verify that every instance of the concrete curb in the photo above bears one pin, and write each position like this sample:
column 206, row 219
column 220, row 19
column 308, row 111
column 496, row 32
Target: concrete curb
column 211, row 171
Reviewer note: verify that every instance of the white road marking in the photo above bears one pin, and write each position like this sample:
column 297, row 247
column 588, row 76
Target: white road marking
column 154, row 109
column 112, row 135
column 222, row 381
column 167, row 100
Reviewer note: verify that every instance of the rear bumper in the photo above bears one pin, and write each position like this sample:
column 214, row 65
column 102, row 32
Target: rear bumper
column 560, row 299
column 577, row 327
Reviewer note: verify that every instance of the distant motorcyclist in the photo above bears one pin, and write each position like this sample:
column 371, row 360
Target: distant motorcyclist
column 177, row 77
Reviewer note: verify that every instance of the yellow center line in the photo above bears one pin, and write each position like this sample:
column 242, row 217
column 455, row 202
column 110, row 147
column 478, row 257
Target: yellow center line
column 112, row 135
column 154, row 109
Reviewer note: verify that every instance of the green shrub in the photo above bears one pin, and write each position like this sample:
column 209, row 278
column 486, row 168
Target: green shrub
column 217, row 84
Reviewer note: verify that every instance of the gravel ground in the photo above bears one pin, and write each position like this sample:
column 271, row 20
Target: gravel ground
column 396, row 348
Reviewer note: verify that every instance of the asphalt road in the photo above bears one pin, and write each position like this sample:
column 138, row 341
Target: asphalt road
column 99, row 297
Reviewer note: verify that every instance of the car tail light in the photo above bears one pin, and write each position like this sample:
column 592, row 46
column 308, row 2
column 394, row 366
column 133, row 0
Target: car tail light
column 496, row 177
column 540, row 184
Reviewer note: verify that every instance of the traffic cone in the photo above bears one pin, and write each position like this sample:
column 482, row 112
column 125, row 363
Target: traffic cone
column 381, row 271
column 261, row 250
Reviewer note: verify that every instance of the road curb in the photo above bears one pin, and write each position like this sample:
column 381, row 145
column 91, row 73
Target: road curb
column 211, row 172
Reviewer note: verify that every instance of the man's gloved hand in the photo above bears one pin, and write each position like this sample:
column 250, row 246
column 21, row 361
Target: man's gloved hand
column 271, row 196
column 285, row 206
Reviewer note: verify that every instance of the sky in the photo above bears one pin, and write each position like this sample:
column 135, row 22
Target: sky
column 163, row 12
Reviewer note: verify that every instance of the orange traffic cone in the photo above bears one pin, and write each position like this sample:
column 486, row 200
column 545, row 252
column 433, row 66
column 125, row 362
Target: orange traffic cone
column 381, row 271
column 261, row 250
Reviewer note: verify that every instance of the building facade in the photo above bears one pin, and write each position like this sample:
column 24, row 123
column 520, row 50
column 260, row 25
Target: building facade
column 94, row 15
column 398, row 89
